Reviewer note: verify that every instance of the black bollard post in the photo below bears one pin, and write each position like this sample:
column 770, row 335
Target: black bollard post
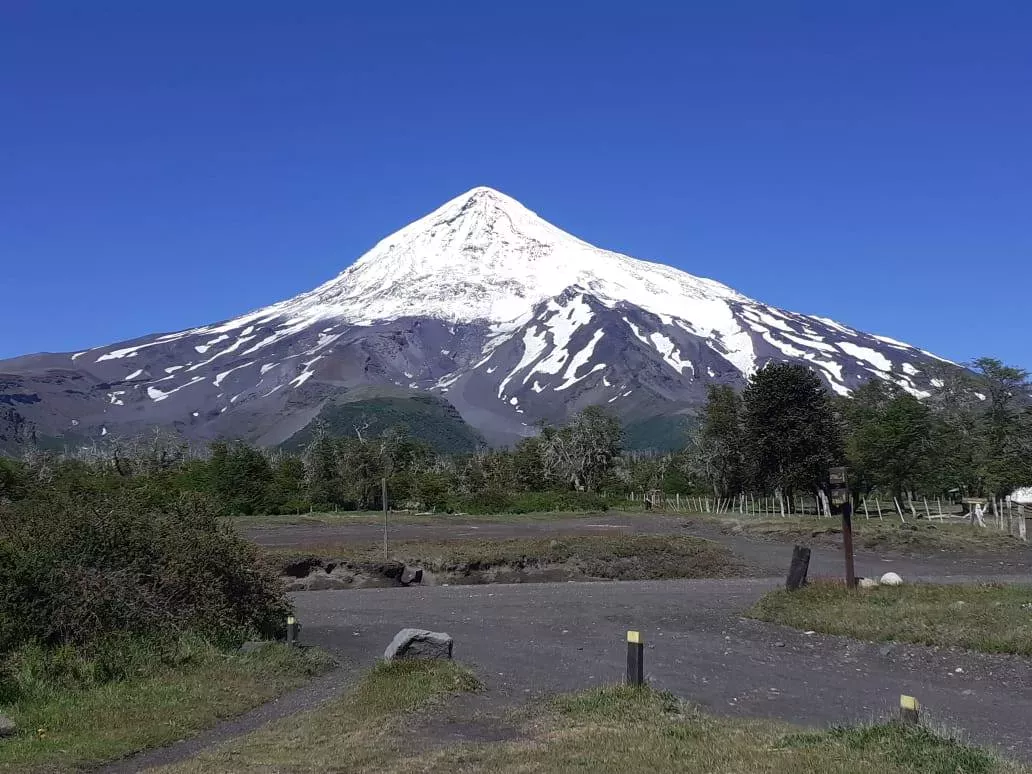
column 635, row 659
column 293, row 630
column 799, row 568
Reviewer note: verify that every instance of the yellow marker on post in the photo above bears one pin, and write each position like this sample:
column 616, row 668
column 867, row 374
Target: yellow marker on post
column 635, row 659
column 909, row 710
column 293, row 630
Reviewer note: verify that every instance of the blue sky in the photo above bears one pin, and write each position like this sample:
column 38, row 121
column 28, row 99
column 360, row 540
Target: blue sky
column 164, row 165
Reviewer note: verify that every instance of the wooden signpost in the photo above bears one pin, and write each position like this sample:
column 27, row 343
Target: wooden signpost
column 840, row 496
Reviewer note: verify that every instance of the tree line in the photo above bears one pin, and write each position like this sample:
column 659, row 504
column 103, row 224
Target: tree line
column 972, row 436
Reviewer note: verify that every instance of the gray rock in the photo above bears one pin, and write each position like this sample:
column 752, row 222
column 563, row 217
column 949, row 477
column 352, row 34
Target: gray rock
column 887, row 650
column 7, row 727
column 412, row 576
column 419, row 643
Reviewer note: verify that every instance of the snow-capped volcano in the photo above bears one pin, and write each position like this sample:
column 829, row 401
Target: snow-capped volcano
column 481, row 302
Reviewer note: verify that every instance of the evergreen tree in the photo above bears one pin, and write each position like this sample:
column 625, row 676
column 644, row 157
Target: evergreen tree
column 791, row 436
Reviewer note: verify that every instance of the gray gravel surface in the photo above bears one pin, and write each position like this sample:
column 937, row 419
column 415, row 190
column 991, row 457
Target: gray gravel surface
column 532, row 640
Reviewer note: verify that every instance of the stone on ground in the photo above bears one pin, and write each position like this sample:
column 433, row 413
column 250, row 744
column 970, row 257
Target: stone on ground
column 419, row 643
column 891, row 579
column 7, row 727
column 868, row 583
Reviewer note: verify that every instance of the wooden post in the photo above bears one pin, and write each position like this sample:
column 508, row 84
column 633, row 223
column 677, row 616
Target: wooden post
column 877, row 504
column 928, row 512
column 866, row 514
column 847, row 543
column 798, row 569
column 899, row 509
column 938, row 505
column 635, row 659
column 677, row 501
column 1021, row 524
column 386, row 543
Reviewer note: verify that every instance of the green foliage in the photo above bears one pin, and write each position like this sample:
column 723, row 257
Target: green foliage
column 425, row 418
column 891, row 439
column 717, row 451
column 241, row 477
column 12, row 479
column 790, row 435
column 659, row 434
column 75, row 569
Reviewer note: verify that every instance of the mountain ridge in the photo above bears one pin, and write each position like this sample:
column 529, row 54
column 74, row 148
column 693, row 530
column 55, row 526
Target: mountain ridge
column 481, row 302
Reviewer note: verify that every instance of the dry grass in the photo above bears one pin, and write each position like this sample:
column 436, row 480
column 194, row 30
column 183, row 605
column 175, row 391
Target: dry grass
column 991, row 618
column 620, row 557
column 882, row 534
column 78, row 729
column 607, row 730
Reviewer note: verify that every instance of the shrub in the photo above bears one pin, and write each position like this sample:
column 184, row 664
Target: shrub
column 79, row 570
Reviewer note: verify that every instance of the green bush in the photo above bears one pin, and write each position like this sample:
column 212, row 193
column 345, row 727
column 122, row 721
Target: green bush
column 79, row 570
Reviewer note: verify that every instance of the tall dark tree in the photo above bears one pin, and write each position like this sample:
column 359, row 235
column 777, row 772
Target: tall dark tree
column 791, row 435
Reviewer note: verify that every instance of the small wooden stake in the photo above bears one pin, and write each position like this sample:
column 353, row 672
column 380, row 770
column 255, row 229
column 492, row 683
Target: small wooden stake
column 909, row 711
column 635, row 659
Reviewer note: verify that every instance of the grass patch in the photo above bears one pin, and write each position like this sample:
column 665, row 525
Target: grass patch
column 991, row 618
column 64, row 728
column 618, row 557
column 603, row 730
column 358, row 732
column 882, row 534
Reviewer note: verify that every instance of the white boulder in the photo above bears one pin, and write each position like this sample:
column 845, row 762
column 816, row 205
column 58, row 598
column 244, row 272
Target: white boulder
column 891, row 579
column 868, row 583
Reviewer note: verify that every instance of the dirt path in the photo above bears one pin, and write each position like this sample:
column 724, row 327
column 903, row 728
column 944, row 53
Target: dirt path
column 310, row 696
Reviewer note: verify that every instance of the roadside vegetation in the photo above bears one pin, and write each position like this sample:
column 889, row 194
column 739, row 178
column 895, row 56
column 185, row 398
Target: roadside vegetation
column 122, row 606
column 390, row 728
column 992, row 618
